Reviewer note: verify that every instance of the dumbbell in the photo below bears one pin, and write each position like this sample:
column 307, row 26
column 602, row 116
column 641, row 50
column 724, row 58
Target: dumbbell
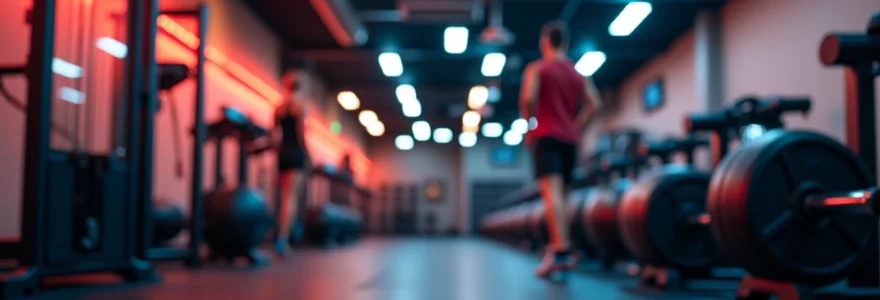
column 662, row 216
column 600, row 210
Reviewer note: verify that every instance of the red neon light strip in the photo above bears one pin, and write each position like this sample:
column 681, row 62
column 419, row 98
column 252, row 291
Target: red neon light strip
column 360, row 163
column 213, row 55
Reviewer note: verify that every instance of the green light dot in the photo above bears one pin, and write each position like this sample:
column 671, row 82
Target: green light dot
column 335, row 127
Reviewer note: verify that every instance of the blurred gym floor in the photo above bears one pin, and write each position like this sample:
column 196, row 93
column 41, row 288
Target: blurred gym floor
column 388, row 269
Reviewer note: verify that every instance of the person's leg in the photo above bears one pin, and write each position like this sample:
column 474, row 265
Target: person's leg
column 549, row 170
column 553, row 191
column 285, row 215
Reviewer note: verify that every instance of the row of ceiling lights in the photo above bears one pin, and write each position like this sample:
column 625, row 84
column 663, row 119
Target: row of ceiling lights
column 455, row 42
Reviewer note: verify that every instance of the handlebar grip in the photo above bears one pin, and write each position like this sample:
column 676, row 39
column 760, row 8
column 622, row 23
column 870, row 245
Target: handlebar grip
column 793, row 104
column 707, row 121
column 660, row 147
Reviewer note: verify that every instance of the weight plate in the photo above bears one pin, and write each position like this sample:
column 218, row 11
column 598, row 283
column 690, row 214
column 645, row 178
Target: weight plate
column 600, row 222
column 537, row 223
column 577, row 198
column 653, row 219
column 756, row 210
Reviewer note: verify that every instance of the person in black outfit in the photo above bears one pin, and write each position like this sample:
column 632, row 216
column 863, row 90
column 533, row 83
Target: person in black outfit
column 289, row 134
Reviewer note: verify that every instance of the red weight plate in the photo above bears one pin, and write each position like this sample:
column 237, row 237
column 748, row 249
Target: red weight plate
column 654, row 219
column 601, row 224
column 758, row 203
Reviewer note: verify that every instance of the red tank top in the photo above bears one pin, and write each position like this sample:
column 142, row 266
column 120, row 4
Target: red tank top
column 560, row 95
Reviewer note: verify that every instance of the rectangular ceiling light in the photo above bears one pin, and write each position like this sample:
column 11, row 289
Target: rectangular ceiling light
column 412, row 109
column 590, row 62
column 391, row 64
column 455, row 40
column 478, row 96
column 66, row 69
column 442, row 135
column 113, row 47
column 421, row 131
column 493, row 64
column 630, row 18
column 406, row 93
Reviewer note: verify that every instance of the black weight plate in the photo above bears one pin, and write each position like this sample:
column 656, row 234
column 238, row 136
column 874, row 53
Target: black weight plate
column 601, row 223
column 761, row 221
column 653, row 223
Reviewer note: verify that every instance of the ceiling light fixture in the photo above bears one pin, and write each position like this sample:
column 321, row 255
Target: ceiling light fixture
column 478, row 96
column 493, row 64
column 376, row 129
column 367, row 118
column 391, row 64
column 442, row 135
column 512, row 138
column 348, row 100
column 590, row 63
column 492, row 130
column 404, row 142
column 467, row 139
column 470, row 118
column 629, row 18
column 421, row 131
column 405, row 93
column 412, row 109
column 455, row 39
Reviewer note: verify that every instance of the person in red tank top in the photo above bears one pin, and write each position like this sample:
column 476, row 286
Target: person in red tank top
column 559, row 103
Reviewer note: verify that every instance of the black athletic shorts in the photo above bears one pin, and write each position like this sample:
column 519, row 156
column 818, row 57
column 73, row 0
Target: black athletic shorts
column 291, row 159
column 554, row 157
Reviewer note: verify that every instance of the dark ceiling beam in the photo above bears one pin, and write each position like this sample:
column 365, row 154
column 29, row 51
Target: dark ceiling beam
column 410, row 55
column 381, row 15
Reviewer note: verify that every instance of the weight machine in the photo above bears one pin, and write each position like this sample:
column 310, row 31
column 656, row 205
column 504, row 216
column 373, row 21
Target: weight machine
column 80, row 209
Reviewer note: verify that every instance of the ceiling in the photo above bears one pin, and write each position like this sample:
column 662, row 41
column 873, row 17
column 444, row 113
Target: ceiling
column 443, row 80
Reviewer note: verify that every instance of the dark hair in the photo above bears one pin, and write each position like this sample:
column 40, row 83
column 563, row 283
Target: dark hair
column 556, row 32
column 291, row 81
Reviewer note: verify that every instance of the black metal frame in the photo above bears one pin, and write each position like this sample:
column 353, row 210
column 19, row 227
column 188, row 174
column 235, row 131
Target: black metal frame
column 191, row 254
column 37, row 254
column 861, row 137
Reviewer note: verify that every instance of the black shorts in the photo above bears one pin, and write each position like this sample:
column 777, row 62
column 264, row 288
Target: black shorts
column 554, row 157
column 291, row 159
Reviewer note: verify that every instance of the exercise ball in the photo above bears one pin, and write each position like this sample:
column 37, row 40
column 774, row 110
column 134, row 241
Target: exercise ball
column 236, row 220
column 168, row 219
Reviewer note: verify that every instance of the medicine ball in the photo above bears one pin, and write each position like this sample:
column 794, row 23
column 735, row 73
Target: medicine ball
column 236, row 220
column 168, row 219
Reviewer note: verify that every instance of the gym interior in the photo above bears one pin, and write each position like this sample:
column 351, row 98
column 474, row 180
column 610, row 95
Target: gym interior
column 140, row 158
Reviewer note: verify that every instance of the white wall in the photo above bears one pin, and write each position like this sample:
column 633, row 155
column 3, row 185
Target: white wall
column 772, row 47
column 676, row 68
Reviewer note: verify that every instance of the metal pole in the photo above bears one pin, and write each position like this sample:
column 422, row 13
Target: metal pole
column 39, row 118
column 197, row 209
column 143, row 92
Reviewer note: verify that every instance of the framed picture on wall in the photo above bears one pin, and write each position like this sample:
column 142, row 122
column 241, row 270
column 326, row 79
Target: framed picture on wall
column 434, row 191
column 654, row 95
column 504, row 156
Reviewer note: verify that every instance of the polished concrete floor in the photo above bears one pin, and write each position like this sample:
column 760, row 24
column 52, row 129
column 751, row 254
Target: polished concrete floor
column 388, row 269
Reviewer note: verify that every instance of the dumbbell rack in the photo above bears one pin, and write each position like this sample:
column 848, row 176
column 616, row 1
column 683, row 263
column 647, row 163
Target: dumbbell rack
column 857, row 53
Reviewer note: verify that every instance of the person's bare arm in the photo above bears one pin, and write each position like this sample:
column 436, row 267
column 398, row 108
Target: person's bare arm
column 528, row 98
column 592, row 103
